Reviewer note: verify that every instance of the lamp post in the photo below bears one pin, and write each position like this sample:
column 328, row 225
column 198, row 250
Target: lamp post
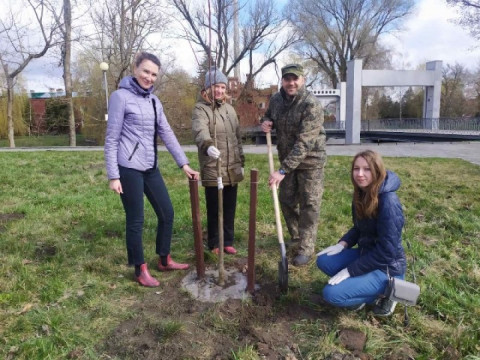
column 104, row 68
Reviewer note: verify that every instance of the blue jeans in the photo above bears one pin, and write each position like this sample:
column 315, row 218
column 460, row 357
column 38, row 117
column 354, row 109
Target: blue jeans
column 352, row 291
column 134, row 184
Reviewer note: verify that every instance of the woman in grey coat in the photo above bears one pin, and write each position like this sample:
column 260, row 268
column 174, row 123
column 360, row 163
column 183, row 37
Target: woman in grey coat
column 135, row 118
column 212, row 116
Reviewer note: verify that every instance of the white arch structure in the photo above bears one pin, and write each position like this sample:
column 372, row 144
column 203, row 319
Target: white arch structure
column 339, row 96
column 431, row 79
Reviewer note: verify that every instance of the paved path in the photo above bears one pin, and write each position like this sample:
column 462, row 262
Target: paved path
column 469, row 151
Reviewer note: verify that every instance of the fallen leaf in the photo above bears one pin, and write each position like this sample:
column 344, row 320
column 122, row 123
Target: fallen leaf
column 26, row 308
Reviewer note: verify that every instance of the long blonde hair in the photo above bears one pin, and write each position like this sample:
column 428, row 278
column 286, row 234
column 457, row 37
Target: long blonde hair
column 365, row 200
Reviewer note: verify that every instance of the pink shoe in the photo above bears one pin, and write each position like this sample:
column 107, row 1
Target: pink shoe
column 145, row 278
column 230, row 250
column 216, row 251
column 171, row 265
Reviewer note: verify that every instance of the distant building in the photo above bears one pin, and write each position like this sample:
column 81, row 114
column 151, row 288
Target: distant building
column 38, row 105
column 250, row 103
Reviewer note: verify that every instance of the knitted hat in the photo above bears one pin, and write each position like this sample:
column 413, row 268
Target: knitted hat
column 214, row 76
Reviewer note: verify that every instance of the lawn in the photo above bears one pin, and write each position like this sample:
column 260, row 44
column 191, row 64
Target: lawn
column 47, row 140
column 66, row 292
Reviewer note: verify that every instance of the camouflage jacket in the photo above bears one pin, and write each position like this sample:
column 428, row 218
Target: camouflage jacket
column 299, row 127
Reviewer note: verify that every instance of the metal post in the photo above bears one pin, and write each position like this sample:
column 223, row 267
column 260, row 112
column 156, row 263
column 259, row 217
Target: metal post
column 106, row 87
column 104, row 67
column 197, row 228
column 251, row 231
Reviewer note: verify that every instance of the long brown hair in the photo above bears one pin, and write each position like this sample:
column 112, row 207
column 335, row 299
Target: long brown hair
column 365, row 200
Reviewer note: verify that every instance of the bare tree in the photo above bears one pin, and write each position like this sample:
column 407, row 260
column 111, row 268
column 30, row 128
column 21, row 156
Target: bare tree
column 453, row 86
column 16, row 50
column 66, row 59
column 476, row 89
column 212, row 29
column 122, row 30
column 336, row 31
column 470, row 15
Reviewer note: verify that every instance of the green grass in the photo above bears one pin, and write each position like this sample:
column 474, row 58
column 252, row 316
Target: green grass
column 46, row 140
column 64, row 284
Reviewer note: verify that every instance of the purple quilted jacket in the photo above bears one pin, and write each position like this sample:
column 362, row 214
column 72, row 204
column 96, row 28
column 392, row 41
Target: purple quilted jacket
column 129, row 140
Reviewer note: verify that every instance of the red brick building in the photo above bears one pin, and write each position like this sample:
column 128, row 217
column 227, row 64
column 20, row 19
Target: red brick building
column 38, row 105
column 249, row 102
column 39, row 108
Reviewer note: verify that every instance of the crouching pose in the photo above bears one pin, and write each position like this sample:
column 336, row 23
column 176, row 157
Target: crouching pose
column 359, row 274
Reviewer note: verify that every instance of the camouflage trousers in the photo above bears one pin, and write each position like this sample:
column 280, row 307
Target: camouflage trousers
column 300, row 198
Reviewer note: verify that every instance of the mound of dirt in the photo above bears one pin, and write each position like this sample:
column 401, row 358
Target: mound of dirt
column 170, row 324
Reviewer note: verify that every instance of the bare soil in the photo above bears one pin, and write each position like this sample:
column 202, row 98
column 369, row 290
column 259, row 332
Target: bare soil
column 169, row 324
column 4, row 218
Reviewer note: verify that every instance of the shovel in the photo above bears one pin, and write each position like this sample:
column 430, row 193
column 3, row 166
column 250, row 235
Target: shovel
column 283, row 263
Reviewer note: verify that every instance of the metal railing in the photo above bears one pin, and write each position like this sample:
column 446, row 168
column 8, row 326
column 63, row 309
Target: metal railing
column 442, row 124
column 431, row 124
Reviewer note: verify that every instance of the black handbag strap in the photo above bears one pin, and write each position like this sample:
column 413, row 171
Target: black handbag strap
column 155, row 149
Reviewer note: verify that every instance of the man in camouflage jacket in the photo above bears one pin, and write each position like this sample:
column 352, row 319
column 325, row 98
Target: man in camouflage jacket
column 297, row 116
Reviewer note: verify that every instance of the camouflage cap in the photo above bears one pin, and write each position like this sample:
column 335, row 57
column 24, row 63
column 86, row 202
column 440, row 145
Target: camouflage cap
column 295, row 69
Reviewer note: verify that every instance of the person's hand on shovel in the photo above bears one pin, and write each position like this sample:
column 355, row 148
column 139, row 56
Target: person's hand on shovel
column 275, row 179
column 267, row 126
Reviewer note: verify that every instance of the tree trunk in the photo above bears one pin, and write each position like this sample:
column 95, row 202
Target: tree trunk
column 67, row 75
column 11, row 138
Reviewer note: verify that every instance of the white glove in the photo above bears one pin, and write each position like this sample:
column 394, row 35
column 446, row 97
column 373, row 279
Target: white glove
column 243, row 171
column 213, row 152
column 332, row 250
column 339, row 277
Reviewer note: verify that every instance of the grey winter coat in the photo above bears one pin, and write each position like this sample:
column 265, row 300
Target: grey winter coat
column 229, row 142
column 380, row 239
column 130, row 135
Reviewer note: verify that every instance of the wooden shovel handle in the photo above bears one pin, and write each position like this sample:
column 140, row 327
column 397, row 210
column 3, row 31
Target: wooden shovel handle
column 276, row 204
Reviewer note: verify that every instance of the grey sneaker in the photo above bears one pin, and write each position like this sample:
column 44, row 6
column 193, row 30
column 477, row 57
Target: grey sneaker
column 301, row 260
column 384, row 307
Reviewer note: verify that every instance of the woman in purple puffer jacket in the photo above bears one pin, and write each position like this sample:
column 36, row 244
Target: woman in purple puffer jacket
column 135, row 118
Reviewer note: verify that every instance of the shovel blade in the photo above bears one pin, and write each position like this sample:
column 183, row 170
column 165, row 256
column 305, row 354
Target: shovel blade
column 283, row 275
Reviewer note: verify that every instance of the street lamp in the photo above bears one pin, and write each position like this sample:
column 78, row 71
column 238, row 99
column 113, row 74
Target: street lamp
column 104, row 68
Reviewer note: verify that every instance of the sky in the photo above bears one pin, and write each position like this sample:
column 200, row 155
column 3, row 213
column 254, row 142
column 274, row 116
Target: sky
column 429, row 34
